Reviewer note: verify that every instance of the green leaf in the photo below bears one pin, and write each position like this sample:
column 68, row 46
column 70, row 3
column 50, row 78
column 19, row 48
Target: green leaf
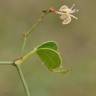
column 49, row 57
column 49, row 44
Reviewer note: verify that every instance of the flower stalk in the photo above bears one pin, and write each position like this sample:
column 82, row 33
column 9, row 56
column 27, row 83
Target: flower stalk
column 34, row 26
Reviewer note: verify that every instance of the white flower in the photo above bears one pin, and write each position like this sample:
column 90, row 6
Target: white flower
column 66, row 13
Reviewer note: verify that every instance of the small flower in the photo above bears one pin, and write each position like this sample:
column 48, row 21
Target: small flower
column 66, row 13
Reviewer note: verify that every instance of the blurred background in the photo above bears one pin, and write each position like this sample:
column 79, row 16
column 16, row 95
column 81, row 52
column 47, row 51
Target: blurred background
column 77, row 43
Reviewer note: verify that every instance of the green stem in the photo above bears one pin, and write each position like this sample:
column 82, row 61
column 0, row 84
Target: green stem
column 25, row 57
column 17, row 64
column 24, row 44
column 26, row 34
column 23, row 80
column 6, row 62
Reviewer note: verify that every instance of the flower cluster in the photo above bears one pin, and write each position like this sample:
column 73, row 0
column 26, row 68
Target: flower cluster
column 66, row 13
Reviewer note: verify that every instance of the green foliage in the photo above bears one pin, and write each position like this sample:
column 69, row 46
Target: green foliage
column 50, row 56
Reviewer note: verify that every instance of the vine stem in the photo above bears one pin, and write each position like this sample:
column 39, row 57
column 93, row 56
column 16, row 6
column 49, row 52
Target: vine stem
column 6, row 62
column 17, row 65
column 26, row 34
column 25, row 57
column 23, row 79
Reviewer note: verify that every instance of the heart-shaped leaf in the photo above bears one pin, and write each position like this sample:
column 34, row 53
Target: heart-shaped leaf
column 49, row 57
